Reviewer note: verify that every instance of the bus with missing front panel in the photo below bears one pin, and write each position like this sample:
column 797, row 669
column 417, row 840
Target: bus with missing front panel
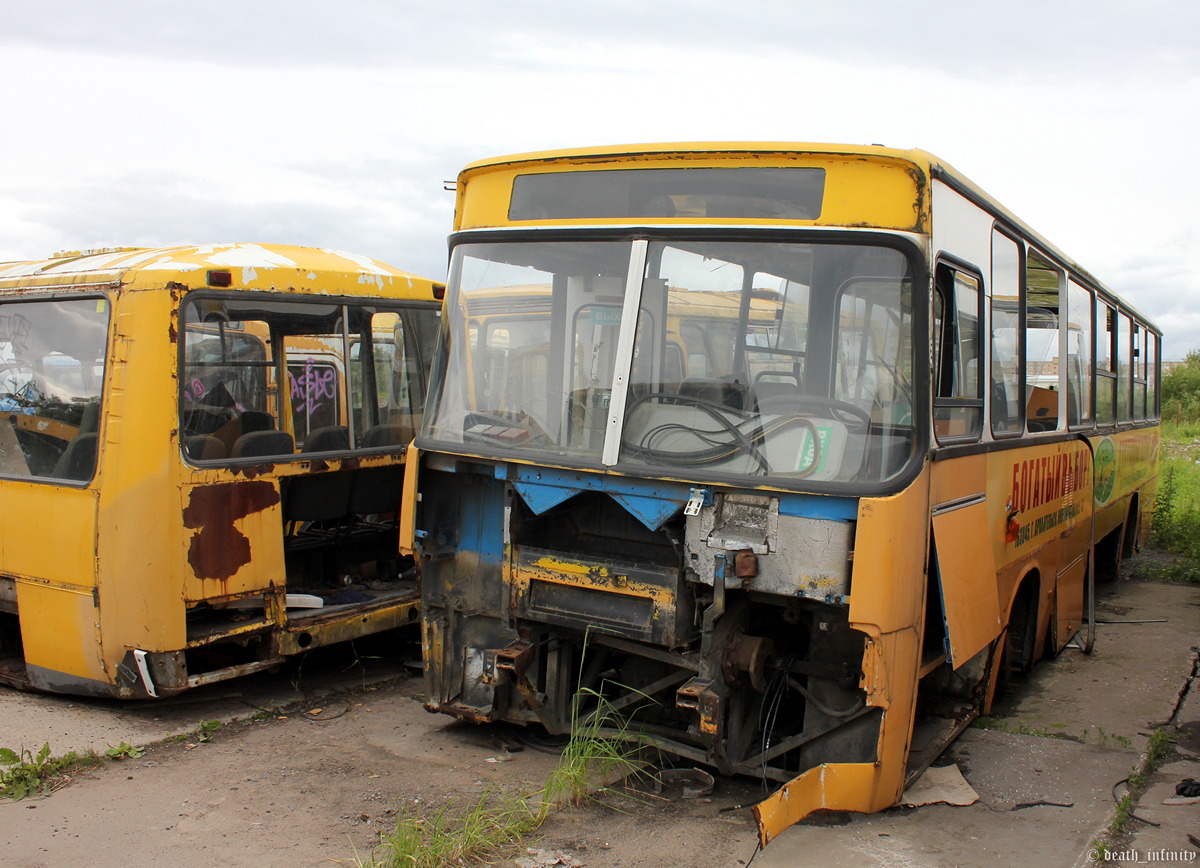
column 787, row 455
column 201, row 455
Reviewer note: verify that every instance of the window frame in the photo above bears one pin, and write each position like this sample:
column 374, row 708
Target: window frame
column 941, row 358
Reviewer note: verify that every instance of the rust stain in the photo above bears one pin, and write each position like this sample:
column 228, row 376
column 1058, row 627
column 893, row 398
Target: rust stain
column 219, row 549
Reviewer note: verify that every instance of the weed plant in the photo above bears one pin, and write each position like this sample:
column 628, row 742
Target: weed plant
column 492, row 825
column 24, row 773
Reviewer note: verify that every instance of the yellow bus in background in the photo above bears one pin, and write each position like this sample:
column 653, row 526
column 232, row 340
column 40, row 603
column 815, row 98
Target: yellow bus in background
column 201, row 451
column 788, row 455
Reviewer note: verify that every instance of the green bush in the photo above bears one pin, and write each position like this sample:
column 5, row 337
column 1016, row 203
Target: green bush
column 1177, row 517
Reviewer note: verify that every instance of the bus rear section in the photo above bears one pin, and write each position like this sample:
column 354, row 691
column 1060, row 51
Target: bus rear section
column 206, row 448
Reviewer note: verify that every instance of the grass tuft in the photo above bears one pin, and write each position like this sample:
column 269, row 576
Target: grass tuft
column 24, row 773
column 492, row 825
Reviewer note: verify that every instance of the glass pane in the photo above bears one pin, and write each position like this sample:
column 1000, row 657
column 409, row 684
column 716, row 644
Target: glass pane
column 231, row 405
column 1079, row 354
column 1106, row 384
column 1042, row 368
column 402, row 342
column 1124, row 367
column 1139, row 371
column 316, row 371
column 958, row 351
column 1151, row 375
column 1007, row 404
column 751, row 400
column 744, row 193
column 529, row 343
column 52, row 363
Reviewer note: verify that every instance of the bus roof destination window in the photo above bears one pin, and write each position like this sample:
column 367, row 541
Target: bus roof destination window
column 753, row 193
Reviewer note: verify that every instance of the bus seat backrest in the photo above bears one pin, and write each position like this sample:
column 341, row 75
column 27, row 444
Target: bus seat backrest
column 772, row 397
column 388, row 434
column 999, row 403
column 377, row 490
column 728, row 392
column 89, row 423
column 78, row 460
column 332, row 438
column 318, row 496
column 256, row 420
column 261, row 444
column 204, row 447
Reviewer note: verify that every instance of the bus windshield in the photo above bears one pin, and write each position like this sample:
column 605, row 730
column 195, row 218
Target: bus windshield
column 752, row 358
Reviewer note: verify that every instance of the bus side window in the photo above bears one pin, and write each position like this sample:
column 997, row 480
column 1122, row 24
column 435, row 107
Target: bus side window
column 1043, row 343
column 958, row 399
column 1106, row 369
column 1007, row 380
column 1080, row 363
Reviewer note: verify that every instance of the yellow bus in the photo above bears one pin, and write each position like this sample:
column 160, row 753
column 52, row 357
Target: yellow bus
column 201, row 451
column 813, row 447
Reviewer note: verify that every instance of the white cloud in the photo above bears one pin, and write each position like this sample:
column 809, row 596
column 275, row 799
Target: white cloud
column 133, row 122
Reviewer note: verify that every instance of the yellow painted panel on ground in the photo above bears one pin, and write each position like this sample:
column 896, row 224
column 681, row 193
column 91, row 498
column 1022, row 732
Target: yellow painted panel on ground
column 833, row 787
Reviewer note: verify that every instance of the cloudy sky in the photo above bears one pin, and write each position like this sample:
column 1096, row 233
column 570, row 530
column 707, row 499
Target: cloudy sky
column 141, row 122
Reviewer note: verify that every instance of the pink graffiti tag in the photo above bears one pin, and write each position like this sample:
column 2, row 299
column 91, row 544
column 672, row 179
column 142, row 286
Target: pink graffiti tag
column 311, row 389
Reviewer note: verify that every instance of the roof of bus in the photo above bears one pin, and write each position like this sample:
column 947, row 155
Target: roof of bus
column 251, row 266
column 912, row 155
column 929, row 164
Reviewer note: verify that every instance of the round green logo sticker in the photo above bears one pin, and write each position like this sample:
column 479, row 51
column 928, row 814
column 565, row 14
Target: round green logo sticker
column 1106, row 470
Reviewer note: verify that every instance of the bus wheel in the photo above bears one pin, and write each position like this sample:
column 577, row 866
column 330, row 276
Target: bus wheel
column 1017, row 653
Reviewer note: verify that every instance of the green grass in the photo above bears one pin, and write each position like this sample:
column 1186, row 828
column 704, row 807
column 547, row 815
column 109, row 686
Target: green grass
column 1176, row 524
column 492, row 825
column 1158, row 751
column 488, row 827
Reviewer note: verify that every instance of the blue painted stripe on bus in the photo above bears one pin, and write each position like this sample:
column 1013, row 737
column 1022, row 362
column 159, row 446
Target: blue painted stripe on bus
column 815, row 506
column 652, row 503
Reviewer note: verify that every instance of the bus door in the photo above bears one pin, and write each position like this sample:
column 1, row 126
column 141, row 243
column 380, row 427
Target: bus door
column 962, row 559
column 1074, row 582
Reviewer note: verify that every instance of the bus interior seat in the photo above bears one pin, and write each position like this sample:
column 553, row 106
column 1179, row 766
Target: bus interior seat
column 774, row 397
column 376, row 490
column 78, row 460
column 387, row 434
column 999, row 402
column 317, row 496
column 332, row 438
column 256, row 420
column 727, row 391
column 204, row 447
column 258, row 444
column 1041, row 409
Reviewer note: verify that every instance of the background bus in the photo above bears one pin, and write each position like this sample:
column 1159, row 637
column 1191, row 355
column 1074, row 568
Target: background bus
column 201, row 451
column 800, row 466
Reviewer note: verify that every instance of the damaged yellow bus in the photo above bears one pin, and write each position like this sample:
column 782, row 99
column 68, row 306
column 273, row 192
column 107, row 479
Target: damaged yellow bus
column 786, row 454
column 201, row 451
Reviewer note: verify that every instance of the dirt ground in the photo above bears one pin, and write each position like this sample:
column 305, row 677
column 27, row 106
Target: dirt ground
column 318, row 783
